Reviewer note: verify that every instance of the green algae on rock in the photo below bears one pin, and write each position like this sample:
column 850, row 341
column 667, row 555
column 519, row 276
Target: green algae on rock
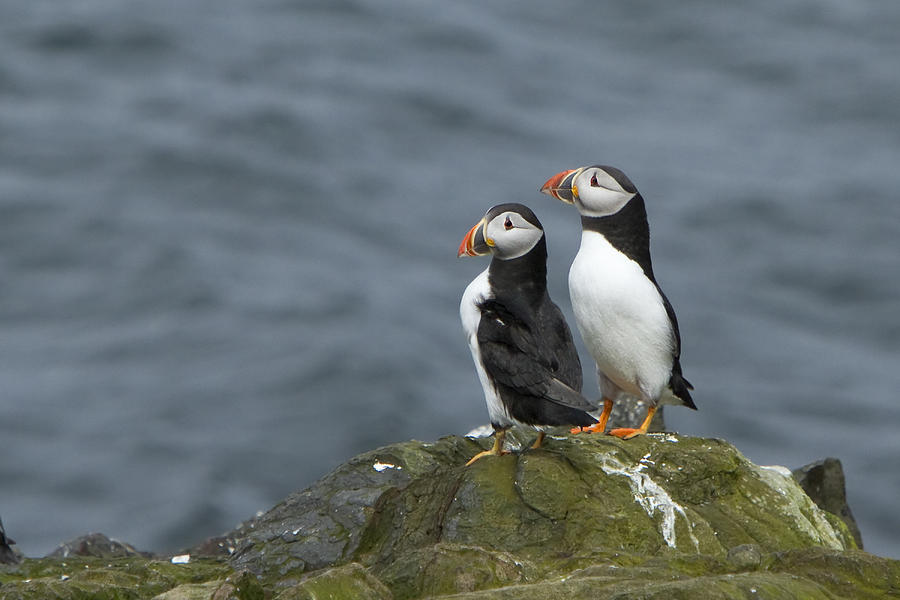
column 348, row 581
column 79, row 577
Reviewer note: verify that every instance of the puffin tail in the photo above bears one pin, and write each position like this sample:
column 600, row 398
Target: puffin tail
column 681, row 387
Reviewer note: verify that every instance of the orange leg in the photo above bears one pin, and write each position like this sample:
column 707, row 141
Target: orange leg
column 496, row 450
column 626, row 433
column 540, row 440
column 600, row 425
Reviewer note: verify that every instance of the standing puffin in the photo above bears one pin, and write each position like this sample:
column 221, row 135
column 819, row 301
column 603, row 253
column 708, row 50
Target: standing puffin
column 522, row 348
column 625, row 319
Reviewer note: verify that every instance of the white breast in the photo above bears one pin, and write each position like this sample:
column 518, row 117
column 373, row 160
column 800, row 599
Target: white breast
column 477, row 292
column 621, row 317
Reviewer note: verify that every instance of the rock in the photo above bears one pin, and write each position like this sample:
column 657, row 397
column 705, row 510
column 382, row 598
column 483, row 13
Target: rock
column 97, row 545
column 823, row 481
column 192, row 591
column 215, row 546
column 746, row 557
column 349, row 581
column 426, row 526
column 648, row 496
column 242, row 585
column 659, row 516
column 8, row 554
column 77, row 577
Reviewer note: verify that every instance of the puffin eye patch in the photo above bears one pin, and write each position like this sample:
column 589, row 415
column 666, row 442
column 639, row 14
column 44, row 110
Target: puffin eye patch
column 508, row 224
column 594, row 181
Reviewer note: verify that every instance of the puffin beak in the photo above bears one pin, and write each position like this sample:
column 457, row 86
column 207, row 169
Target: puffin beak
column 560, row 186
column 474, row 244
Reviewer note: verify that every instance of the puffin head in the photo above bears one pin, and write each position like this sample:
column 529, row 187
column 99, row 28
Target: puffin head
column 596, row 191
column 506, row 231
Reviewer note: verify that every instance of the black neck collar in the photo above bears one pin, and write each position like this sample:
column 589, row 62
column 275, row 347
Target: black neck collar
column 627, row 231
column 523, row 278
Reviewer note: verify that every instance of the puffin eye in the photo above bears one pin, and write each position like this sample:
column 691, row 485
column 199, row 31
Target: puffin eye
column 508, row 224
column 594, row 181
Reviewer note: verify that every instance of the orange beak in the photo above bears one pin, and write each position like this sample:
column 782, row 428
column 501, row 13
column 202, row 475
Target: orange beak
column 473, row 243
column 560, row 186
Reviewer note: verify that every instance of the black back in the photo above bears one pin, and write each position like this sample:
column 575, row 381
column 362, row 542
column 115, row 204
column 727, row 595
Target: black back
column 525, row 342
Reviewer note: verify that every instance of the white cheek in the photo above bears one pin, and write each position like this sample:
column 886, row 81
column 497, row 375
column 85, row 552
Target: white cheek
column 601, row 202
column 519, row 242
column 496, row 232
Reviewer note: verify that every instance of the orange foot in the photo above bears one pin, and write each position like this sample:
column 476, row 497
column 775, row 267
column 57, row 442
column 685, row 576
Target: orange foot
column 600, row 425
column 486, row 453
column 496, row 449
column 626, row 433
column 595, row 428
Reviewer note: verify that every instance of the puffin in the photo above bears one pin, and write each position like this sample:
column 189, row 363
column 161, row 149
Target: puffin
column 627, row 323
column 522, row 347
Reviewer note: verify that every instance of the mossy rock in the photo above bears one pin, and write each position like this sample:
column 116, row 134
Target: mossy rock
column 116, row 579
column 425, row 525
column 448, row 568
column 348, row 581
column 658, row 516
column 579, row 495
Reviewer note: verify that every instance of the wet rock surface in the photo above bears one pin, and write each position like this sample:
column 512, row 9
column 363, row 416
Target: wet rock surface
column 659, row 516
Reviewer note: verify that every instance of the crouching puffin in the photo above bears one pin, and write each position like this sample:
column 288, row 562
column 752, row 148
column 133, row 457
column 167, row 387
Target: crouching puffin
column 627, row 323
column 522, row 348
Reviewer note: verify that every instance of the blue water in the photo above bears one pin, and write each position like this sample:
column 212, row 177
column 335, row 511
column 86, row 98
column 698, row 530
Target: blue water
column 228, row 234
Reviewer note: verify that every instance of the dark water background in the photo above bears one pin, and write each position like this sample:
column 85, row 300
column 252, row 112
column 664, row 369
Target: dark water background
column 228, row 233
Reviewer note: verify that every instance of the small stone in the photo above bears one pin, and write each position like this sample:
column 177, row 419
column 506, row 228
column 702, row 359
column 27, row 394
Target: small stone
column 745, row 557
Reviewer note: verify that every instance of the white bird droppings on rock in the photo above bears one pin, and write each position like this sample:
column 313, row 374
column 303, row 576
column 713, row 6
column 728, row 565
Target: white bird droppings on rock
column 481, row 431
column 797, row 506
column 651, row 496
column 781, row 470
column 380, row 466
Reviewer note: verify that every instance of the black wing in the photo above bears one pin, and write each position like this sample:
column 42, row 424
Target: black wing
column 515, row 356
column 680, row 386
column 565, row 362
